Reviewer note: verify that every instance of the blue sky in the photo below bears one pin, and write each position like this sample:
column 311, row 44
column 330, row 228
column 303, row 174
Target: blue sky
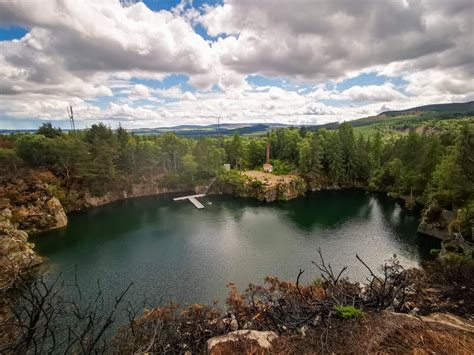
column 12, row 32
column 160, row 63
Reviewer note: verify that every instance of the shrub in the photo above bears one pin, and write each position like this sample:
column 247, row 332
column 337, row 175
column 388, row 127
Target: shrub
column 256, row 184
column 348, row 312
column 435, row 252
column 170, row 180
column 281, row 167
column 232, row 177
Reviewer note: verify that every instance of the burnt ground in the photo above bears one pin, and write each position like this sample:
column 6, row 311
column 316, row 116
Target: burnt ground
column 382, row 332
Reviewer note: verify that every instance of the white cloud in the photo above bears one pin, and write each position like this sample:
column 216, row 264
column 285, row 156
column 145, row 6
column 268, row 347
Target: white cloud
column 78, row 39
column 382, row 93
column 189, row 96
column 333, row 39
column 80, row 51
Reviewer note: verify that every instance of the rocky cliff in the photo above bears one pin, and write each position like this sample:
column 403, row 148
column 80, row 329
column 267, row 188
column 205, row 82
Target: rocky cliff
column 32, row 201
column 263, row 186
column 135, row 190
column 436, row 222
column 39, row 201
column 27, row 205
column 16, row 253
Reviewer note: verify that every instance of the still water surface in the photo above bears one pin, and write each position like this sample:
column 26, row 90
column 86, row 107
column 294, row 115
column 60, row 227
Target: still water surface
column 172, row 251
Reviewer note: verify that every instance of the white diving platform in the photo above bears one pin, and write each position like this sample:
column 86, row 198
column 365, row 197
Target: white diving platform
column 192, row 199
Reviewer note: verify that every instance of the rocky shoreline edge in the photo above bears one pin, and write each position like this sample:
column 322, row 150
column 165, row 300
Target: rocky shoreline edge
column 29, row 205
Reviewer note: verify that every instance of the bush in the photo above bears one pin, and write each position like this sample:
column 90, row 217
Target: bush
column 9, row 160
column 57, row 191
column 281, row 167
column 256, row 184
column 348, row 312
column 435, row 252
column 232, row 177
column 170, row 180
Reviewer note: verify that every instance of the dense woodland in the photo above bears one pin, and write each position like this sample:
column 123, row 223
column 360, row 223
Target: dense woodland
column 434, row 165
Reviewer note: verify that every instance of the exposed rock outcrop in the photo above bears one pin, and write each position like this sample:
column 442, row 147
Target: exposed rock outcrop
column 242, row 342
column 57, row 210
column 266, row 186
column 32, row 201
column 16, row 253
column 136, row 190
column 6, row 219
column 436, row 221
column 455, row 248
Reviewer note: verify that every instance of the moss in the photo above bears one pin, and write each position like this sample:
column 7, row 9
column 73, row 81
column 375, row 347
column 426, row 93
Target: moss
column 349, row 312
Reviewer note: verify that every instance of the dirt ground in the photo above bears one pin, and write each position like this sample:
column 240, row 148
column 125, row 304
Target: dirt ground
column 384, row 333
column 269, row 178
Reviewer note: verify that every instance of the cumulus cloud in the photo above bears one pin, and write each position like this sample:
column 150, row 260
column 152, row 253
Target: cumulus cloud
column 383, row 93
column 328, row 39
column 78, row 39
column 82, row 51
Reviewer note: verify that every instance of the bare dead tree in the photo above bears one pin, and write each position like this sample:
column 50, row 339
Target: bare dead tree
column 326, row 270
column 37, row 318
column 387, row 287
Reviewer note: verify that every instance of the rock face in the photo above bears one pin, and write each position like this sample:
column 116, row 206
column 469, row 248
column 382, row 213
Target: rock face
column 266, row 187
column 433, row 230
column 136, row 190
column 32, row 202
column 6, row 219
column 454, row 248
column 436, row 221
column 242, row 342
column 57, row 210
column 16, row 253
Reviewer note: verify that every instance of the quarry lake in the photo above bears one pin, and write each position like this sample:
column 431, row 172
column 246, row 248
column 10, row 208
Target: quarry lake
column 173, row 251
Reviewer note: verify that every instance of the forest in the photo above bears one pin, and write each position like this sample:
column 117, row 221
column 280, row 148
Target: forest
column 426, row 166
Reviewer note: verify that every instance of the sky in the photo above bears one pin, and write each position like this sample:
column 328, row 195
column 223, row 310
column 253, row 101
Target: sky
column 155, row 63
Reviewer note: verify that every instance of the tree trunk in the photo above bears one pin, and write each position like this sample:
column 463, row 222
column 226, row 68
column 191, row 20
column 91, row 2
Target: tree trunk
column 174, row 161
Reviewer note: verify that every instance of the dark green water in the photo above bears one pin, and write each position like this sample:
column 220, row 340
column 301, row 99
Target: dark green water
column 172, row 251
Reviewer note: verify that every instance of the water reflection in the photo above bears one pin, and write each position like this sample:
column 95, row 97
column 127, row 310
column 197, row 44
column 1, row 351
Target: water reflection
column 327, row 209
column 173, row 251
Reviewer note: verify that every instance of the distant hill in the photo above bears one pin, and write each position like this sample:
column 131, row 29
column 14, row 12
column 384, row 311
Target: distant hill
column 193, row 130
column 453, row 107
column 410, row 115
column 427, row 112
column 8, row 131
column 213, row 129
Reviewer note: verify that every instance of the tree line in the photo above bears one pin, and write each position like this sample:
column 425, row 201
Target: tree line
column 424, row 166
